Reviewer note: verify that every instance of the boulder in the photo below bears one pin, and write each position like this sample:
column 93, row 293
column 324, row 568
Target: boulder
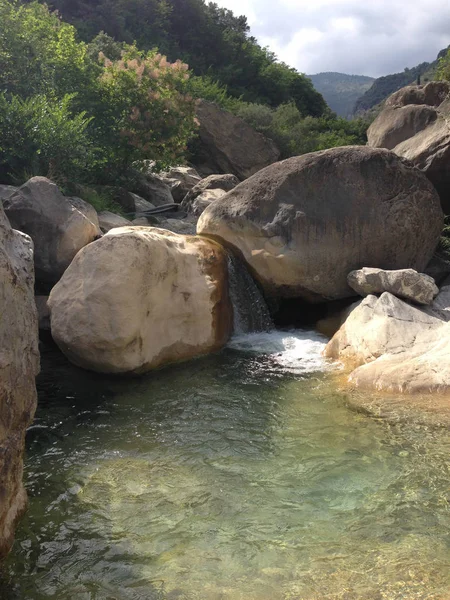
column 181, row 180
column 415, row 125
column 178, row 226
column 57, row 228
column 404, row 283
column 6, row 191
column 141, row 205
column 303, row 224
column 152, row 189
column 396, row 347
column 227, row 144
column 399, row 124
column 203, row 200
column 19, row 365
column 43, row 312
column 86, row 209
column 213, row 182
column 141, row 298
column 432, row 93
column 109, row 220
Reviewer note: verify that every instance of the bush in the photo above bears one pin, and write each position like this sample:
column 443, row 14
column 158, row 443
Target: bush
column 147, row 112
column 42, row 136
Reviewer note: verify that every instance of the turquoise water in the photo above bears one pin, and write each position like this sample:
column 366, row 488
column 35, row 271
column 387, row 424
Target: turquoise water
column 237, row 476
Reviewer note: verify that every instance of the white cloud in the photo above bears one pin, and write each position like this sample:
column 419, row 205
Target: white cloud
column 368, row 37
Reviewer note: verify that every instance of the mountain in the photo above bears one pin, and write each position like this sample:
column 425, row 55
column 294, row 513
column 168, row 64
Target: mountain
column 387, row 85
column 341, row 91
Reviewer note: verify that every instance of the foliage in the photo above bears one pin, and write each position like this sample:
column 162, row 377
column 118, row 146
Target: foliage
column 99, row 199
column 443, row 69
column 212, row 40
column 296, row 135
column 41, row 136
column 147, row 110
column 67, row 114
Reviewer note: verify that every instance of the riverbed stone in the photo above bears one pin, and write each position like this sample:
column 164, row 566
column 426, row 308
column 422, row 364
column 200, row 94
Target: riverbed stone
column 109, row 220
column 304, row 223
column 394, row 346
column 141, row 298
column 403, row 283
column 57, row 228
column 19, row 365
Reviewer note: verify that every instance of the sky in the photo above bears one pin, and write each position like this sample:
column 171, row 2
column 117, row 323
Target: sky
column 362, row 37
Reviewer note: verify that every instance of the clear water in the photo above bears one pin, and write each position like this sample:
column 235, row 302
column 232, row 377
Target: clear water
column 243, row 475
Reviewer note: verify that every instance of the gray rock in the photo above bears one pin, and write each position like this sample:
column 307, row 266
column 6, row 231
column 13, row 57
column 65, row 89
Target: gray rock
column 141, row 205
column 85, row 208
column 43, row 312
column 181, row 180
column 153, row 189
column 227, row 144
column 19, row 366
column 57, row 228
column 303, row 224
column 415, row 125
column 222, row 182
column 109, row 220
column 177, row 226
column 403, row 283
column 6, row 191
column 203, row 200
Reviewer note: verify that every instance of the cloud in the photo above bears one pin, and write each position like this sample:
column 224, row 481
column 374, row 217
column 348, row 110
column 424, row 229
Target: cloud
column 372, row 37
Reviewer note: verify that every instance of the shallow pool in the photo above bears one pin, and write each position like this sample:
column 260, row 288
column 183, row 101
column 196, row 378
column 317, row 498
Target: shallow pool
column 243, row 475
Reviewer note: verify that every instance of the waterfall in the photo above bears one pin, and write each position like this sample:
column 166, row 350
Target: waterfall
column 250, row 312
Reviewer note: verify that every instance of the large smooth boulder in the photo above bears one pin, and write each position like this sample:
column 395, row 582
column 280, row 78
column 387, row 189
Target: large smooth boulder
column 140, row 298
column 303, row 224
column 394, row 346
column 152, row 188
column 227, row 144
column 19, row 365
column 404, row 283
column 57, row 228
column 203, row 200
column 415, row 125
column 86, row 209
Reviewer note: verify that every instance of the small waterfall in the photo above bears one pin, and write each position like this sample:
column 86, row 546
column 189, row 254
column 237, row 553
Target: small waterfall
column 250, row 312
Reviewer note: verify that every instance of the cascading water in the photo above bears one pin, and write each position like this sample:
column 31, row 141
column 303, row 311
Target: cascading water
column 250, row 312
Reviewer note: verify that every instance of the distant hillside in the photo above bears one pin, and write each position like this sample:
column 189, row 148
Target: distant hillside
column 341, row 91
column 387, row 85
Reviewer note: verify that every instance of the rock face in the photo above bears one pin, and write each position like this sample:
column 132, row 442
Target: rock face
column 414, row 124
column 57, row 228
column 303, row 224
column 19, row 365
column 404, row 283
column 227, row 144
column 396, row 347
column 153, row 189
column 141, row 298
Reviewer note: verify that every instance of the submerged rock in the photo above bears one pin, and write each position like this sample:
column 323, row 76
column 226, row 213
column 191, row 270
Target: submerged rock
column 404, row 283
column 303, row 224
column 57, row 228
column 141, row 298
column 19, row 365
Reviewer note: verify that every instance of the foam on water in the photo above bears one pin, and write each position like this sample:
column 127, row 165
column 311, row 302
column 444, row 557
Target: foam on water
column 295, row 351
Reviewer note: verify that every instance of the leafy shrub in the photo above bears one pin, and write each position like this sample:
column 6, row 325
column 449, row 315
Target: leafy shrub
column 42, row 136
column 147, row 112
